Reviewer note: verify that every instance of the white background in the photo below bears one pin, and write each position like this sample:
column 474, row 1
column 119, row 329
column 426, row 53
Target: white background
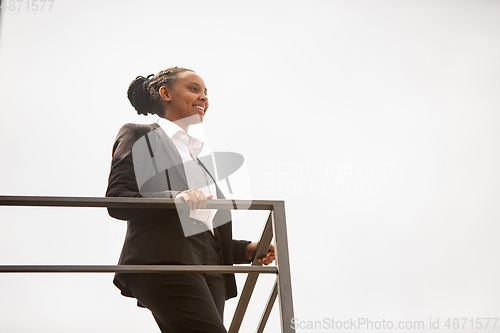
column 377, row 122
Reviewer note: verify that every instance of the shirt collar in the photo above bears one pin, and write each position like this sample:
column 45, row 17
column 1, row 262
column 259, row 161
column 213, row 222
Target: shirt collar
column 175, row 132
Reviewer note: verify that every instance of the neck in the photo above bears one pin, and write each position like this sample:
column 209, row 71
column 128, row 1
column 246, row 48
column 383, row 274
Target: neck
column 182, row 123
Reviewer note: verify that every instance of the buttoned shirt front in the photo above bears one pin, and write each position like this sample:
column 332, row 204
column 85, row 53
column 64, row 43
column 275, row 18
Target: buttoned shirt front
column 189, row 148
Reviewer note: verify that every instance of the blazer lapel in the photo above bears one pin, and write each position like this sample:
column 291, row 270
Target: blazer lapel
column 168, row 158
column 157, row 135
column 219, row 192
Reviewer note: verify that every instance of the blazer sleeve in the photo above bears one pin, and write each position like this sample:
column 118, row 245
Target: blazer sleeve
column 239, row 249
column 122, row 180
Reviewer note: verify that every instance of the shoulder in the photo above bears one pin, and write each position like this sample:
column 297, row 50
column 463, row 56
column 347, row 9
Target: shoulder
column 138, row 129
column 130, row 133
column 134, row 131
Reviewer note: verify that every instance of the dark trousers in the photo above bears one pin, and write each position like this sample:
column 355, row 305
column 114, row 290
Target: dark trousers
column 186, row 302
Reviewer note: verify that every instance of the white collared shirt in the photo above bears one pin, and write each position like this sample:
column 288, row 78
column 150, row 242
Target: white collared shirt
column 189, row 147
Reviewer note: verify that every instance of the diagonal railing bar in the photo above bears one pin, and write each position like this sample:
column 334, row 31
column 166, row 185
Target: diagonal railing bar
column 246, row 293
column 275, row 226
column 268, row 308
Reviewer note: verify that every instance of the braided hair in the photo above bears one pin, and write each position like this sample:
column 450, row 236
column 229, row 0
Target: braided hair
column 143, row 91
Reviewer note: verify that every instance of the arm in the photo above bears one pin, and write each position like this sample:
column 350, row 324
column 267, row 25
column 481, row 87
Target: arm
column 240, row 252
column 122, row 181
column 244, row 252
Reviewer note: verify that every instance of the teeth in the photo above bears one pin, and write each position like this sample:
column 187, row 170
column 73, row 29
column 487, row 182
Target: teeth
column 199, row 107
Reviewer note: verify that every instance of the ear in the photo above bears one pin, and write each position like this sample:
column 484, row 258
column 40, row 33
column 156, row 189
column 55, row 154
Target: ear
column 165, row 94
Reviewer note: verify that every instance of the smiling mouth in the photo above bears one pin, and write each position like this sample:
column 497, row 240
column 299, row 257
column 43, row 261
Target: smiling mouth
column 202, row 109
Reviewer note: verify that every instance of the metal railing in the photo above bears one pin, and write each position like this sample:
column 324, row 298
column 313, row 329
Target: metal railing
column 275, row 227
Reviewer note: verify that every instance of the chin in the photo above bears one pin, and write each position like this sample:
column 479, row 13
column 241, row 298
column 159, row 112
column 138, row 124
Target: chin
column 194, row 119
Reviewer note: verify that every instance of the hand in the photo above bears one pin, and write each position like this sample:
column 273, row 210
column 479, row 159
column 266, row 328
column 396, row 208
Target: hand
column 195, row 199
column 266, row 260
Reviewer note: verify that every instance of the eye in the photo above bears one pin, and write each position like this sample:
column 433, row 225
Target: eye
column 194, row 89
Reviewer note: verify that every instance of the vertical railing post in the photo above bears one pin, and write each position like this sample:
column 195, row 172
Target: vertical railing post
column 283, row 265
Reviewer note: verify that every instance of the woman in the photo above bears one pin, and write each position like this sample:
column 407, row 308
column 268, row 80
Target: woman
column 160, row 160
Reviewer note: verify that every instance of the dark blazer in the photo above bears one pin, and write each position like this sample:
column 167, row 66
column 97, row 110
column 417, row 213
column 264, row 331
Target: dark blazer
column 155, row 236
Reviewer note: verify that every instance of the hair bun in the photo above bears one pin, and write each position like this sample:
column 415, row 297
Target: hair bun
column 139, row 96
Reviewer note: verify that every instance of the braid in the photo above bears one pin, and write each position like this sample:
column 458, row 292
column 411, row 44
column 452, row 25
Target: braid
column 139, row 96
column 143, row 91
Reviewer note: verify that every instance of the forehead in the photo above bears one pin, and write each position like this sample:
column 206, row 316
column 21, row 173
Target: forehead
column 187, row 76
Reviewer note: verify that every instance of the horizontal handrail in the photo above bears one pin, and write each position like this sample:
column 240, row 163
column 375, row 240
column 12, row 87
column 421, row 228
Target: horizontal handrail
column 135, row 269
column 115, row 202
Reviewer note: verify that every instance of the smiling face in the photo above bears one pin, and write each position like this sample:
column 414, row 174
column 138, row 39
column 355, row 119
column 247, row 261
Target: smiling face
column 186, row 99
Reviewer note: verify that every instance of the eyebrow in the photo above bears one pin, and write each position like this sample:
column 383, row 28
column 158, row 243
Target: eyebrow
column 206, row 91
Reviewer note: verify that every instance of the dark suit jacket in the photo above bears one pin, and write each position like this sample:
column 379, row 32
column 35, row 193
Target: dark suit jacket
column 155, row 236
